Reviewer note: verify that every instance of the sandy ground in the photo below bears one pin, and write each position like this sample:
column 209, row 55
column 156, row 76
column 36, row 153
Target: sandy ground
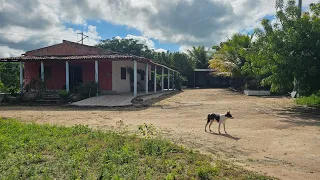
column 268, row 135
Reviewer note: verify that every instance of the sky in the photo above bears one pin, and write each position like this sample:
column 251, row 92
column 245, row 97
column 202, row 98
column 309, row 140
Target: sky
column 162, row 25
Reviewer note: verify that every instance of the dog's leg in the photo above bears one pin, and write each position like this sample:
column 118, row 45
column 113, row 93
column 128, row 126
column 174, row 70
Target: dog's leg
column 219, row 128
column 210, row 126
column 224, row 127
column 205, row 128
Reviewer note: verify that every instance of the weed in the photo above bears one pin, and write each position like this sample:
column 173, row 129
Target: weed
column 313, row 100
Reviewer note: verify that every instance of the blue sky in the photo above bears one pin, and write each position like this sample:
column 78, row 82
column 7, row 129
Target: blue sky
column 174, row 25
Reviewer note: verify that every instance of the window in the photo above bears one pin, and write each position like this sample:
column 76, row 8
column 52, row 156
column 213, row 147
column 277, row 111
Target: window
column 142, row 76
column 123, row 73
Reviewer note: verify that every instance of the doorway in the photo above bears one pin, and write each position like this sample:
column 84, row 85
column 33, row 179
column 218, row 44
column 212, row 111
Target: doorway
column 76, row 76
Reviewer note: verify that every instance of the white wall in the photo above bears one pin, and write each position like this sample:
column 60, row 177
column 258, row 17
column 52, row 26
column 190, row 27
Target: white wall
column 120, row 85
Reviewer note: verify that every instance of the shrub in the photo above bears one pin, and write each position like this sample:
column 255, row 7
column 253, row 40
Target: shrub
column 64, row 94
column 1, row 86
column 178, row 82
column 87, row 90
column 312, row 101
column 34, row 84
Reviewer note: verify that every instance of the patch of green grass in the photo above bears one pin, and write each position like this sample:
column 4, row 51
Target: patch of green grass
column 312, row 101
column 32, row 151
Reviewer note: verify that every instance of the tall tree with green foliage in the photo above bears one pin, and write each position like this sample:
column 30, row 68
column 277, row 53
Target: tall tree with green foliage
column 200, row 56
column 9, row 77
column 126, row 46
column 229, row 57
column 289, row 50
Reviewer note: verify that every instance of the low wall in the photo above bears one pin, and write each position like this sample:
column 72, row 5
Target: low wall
column 256, row 93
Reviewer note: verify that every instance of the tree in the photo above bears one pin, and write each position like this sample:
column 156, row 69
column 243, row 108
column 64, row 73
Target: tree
column 185, row 65
column 229, row 57
column 200, row 56
column 126, row 46
column 9, row 76
column 289, row 50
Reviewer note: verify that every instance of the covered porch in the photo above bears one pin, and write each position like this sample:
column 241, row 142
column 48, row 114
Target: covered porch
column 67, row 64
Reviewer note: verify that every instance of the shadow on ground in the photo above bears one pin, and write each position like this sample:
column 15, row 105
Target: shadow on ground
column 225, row 135
column 136, row 107
column 302, row 116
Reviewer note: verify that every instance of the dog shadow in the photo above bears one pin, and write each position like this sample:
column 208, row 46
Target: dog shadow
column 225, row 135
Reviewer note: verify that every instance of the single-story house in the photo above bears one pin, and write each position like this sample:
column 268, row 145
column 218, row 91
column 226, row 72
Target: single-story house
column 62, row 66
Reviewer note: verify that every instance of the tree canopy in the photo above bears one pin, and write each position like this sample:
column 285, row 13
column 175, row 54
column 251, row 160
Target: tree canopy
column 289, row 50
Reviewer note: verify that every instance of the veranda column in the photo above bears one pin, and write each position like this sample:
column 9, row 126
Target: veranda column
column 173, row 83
column 21, row 77
column 162, row 79
column 147, row 78
column 135, row 79
column 155, row 79
column 96, row 70
column 168, row 79
column 42, row 71
column 67, row 76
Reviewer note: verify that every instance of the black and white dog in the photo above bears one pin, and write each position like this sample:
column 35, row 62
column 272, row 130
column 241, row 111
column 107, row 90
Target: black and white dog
column 219, row 118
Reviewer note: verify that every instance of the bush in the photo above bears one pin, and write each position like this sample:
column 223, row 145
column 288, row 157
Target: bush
column 312, row 101
column 178, row 82
column 1, row 86
column 34, row 84
column 64, row 95
column 87, row 90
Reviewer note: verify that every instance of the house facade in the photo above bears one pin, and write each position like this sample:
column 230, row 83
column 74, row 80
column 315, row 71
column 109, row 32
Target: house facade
column 64, row 65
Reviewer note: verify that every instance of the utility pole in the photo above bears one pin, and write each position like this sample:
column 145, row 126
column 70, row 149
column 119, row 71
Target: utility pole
column 300, row 8
column 83, row 36
column 296, row 82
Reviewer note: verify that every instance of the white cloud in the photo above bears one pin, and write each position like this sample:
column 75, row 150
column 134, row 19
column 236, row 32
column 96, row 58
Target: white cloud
column 185, row 48
column 5, row 51
column 31, row 24
column 143, row 40
column 160, row 50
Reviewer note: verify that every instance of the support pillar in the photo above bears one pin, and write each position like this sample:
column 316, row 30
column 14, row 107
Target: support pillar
column 147, row 78
column 162, row 79
column 155, row 79
column 42, row 71
column 96, row 70
column 173, row 82
column 96, row 75
column 135, row 79
column 21, row 77
column 67, row 76
column 168, row 79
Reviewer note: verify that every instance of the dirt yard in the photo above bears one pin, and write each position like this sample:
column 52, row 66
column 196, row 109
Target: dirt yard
column 268, row 135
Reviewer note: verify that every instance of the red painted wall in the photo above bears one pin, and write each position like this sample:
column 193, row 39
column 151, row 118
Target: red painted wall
column 105, row 75
column 58, row 73
column 31, row 71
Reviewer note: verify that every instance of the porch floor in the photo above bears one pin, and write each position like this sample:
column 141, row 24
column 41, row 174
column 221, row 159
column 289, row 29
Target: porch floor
column 119, row 100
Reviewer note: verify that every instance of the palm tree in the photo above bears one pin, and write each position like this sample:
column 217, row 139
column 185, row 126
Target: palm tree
column 230, row 56
column 200, row 56
column 279, row 4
